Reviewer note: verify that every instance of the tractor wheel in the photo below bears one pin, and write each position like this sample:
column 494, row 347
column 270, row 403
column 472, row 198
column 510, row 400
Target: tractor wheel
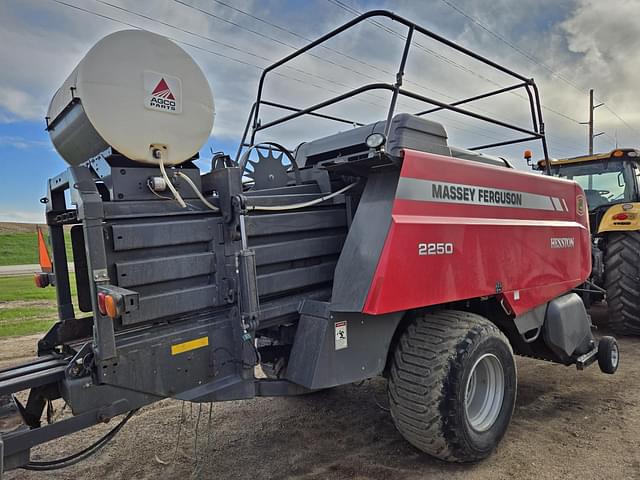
column 452, row 385
column 622, row 282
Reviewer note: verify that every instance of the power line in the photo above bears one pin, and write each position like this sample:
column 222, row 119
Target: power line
column 293, row 47
column 245, row 63
column 132, row 25
column 378, row 24
column 621, row 119
column 122, row 22
column 235, row 48
column 532, row 58
column 197, row 47
column 243, row 27
column 393, row 32
column 418, row 45
column 510, row 44
column 451, row 62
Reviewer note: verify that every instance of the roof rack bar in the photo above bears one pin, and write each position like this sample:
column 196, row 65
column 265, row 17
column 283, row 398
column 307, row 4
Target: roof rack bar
column 532, row 108
column 387, row 86
column 473, row 99
column 469, row 113
column 313, row 114
column 326, row 103
column 541, row 127
column 398, row 84
column 244, row 134
column 506, row 142
column 528, row 84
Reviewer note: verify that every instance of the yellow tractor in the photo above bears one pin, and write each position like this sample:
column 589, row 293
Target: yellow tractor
column 612, row 190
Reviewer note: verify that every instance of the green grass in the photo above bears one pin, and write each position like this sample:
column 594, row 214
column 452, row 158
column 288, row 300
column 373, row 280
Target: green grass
column 23, row 288
column 26, row 320
column 22, row 248
column 25, row 309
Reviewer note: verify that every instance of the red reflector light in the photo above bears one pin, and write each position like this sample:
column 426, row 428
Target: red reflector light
column 101, row 303
column 41, row 280
column 621, row 216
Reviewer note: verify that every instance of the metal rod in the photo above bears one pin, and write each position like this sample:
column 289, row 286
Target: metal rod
column 506, row 142
column 386, row 86
column 545, row 149
column 473, row 99
column 326, row 103
column 534, row 101
column 244, row 134
column 319, row 115
column 398, row 84
column 466, row 112
column 534, row 120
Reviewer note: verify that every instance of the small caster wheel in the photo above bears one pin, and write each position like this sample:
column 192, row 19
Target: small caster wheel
column 608, row 355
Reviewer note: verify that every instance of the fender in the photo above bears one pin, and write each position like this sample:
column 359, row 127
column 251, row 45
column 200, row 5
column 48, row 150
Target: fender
column 462, row 230
column 628, row 220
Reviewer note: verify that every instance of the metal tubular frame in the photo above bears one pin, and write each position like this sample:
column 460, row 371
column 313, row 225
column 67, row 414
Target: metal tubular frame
column 536, row 132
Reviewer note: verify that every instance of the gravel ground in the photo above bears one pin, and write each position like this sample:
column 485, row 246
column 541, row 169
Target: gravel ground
column 567, row 424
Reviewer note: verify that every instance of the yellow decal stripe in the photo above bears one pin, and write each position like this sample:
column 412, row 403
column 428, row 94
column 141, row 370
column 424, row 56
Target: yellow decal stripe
column 190, row 345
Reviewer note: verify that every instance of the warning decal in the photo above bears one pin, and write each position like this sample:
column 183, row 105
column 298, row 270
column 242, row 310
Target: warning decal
column 341, row 335
column 190, row 345
column 163, row 92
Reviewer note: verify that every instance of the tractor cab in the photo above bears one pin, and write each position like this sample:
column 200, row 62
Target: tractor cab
column 610, row 184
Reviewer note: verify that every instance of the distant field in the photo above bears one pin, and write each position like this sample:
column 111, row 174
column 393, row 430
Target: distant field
column 20, row 246
column 16, row 227
column 25, row 309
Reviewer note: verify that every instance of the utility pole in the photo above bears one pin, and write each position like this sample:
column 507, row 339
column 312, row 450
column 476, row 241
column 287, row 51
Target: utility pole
column 592, row 107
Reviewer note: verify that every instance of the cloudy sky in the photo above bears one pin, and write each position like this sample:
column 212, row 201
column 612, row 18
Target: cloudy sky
column 568, row 46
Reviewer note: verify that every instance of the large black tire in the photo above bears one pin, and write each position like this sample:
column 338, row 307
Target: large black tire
column 622, row 282
column 430, row 377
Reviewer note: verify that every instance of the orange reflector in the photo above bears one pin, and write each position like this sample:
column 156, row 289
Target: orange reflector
column 618, row 153
column 43, row 253
column 528, row 154
column 111, row 306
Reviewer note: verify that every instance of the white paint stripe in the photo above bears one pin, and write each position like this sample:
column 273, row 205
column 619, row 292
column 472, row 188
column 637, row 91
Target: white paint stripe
column 564, row 204
column 433, row 191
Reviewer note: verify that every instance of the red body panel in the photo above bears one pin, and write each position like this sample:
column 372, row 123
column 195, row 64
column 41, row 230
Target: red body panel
column 528, row 241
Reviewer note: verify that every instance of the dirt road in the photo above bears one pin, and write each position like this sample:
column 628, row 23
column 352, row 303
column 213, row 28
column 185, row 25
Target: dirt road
column 567, row 425
column 29, row 269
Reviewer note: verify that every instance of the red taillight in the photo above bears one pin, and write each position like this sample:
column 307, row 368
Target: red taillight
column 41, row 280
column 101, row 303
column 621, row 216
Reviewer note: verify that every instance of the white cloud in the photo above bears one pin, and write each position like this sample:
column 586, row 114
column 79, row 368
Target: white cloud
column 593, row 43
column 25, row 216
column 21, row 142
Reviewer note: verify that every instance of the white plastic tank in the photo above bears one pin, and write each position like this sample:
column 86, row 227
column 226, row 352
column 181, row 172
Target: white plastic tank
column 134, row 91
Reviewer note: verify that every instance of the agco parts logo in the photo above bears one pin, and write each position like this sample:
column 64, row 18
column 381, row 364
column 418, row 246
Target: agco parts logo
column 580, row 205
column 163, row 92
column 568, row 242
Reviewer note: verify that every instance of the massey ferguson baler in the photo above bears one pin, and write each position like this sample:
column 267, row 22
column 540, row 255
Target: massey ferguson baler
column 380, row 250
